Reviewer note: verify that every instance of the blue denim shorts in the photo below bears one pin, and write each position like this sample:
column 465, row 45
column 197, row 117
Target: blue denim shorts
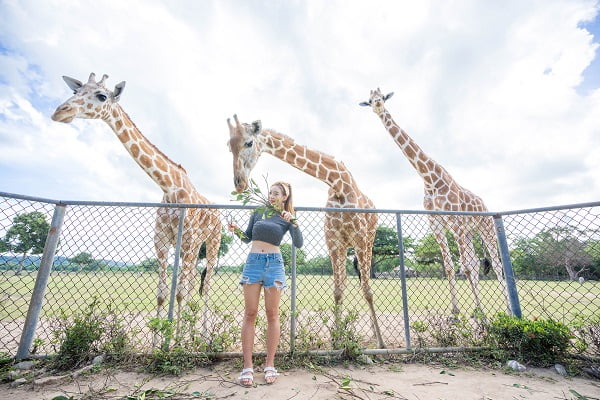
column 265, row 268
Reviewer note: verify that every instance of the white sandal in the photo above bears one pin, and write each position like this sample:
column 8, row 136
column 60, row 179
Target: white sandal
column 270, row 372
column 247, row 374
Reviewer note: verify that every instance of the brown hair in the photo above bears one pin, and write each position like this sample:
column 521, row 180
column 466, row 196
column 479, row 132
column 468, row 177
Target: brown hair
column 286, row 188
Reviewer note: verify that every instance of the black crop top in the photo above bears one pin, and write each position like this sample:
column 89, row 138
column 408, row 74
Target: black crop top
column 271, row 230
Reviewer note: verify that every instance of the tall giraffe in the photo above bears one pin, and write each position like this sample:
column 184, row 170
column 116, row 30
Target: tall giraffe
column 342, row 229
column 201, row 225
column 443, row 193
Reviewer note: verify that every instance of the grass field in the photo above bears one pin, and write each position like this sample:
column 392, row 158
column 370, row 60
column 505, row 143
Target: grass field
column 131, row 297
column 135, row 292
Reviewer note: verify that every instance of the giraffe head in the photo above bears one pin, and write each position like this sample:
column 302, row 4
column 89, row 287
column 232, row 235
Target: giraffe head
column 376, row 101
column 246, row 147
column 90, row 100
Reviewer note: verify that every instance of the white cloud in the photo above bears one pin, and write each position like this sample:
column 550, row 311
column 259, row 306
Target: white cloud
column 486, row 89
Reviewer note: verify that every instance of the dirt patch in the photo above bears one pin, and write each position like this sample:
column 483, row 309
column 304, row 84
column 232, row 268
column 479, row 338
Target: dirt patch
column 385, row 381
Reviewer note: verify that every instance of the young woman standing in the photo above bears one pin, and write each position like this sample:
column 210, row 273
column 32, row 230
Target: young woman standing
column 264, row 270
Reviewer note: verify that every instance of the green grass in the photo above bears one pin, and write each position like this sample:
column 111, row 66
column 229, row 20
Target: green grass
column 136, row 292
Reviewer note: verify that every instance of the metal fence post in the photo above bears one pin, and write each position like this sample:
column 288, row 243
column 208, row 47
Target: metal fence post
column 293, row 302
column 41, row 281
column 513, row 295
column 176, row 263
column 403, row 281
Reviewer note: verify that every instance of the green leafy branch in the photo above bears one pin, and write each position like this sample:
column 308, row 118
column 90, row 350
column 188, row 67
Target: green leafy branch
column 253, row 195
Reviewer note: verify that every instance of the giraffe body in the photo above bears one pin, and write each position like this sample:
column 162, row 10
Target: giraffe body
column 443, row 193
column 93, row 100
column 342, row 230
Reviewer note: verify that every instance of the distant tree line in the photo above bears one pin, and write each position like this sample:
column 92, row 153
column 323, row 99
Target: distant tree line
column 562, row 253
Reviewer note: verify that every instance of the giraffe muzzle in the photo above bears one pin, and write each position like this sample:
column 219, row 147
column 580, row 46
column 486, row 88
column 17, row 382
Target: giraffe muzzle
column 63, row 114
column 240, row 184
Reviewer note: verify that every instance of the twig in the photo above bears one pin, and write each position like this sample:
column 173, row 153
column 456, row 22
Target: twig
column 429, row 383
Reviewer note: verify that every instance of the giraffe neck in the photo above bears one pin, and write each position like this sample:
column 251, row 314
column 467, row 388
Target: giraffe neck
column 430, row 171
column 319, row 165
column 168, row 175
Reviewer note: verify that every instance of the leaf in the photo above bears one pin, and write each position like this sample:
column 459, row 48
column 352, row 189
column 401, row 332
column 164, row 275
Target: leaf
column 346, row 383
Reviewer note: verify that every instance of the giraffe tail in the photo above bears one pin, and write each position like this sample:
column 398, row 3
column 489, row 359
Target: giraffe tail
column 355, row 265
column 486, row 262
column 487, row 266
column 202, row 278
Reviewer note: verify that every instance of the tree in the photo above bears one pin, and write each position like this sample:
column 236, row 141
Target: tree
column 223, row 246
column 428, row 255
column 385, row 249
column 561, row 251
column 148, row 265
column 27, row 235
column 286, row 254
column 319, row 265
column 558, row 251
column 83, row 260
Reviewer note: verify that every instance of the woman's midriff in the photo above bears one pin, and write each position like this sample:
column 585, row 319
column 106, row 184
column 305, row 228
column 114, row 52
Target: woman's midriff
column 263, row 247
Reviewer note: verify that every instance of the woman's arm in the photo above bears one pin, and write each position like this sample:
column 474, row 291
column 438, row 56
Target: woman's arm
column 248, row 233
column 296, row 233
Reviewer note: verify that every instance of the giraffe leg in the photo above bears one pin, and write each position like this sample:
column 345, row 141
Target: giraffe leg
column 212, row 254
column 437, row 227
column 364, row 261
column 162, row 245
column 470, row 263
column 488, row 235
column 187, row 280
column 338, row 265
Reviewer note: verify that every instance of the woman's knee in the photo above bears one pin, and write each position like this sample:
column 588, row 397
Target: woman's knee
column 251, row 314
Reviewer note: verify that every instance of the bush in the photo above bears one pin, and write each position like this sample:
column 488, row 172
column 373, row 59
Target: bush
column 535, row 342
column 88, row 334
column 587, row 334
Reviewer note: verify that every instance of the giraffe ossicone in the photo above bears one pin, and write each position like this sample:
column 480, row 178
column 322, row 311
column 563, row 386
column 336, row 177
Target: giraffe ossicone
column 443, row 193
column 342, row 230
column 93, row 100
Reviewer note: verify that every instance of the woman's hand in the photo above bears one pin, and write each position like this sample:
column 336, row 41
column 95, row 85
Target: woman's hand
column 289, row 217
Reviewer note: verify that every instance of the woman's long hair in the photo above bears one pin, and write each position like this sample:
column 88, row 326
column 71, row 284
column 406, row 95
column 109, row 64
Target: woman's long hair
column 286, row 188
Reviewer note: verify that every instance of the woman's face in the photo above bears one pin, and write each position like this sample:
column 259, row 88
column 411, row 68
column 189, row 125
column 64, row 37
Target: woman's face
column 276, row 196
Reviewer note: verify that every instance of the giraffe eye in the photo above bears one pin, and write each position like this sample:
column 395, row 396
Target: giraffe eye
column 248, row 144
column 101, row 97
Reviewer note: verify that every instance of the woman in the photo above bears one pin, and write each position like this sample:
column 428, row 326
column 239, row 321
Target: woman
column 264, row 268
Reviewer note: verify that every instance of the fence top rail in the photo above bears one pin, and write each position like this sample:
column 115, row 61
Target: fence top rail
column 317, row 209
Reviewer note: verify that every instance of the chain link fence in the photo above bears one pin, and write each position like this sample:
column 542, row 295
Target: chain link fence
column 105, row 257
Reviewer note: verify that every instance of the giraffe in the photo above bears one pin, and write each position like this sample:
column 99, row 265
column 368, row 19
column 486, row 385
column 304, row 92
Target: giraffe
column 342, row 229
column 443, row 193
column 93, row 100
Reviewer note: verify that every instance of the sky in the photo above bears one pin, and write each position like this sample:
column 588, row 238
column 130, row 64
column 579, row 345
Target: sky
column 504, row 95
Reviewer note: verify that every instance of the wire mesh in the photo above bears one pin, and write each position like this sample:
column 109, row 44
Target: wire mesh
column 106, row 256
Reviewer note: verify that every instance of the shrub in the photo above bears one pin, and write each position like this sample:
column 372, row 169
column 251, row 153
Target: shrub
column 587, row 334
column 536, row 342
column 88, row 334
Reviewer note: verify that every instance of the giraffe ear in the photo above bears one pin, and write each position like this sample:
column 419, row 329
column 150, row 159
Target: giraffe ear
column 118, row 90
column 72, row 83
column 256, row 127
column 387, row 96
column 364, row 104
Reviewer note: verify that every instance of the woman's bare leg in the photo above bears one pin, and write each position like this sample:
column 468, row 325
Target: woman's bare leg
column 272, row 299
column 251, row 298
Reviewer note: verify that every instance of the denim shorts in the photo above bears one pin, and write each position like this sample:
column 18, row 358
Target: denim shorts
column 265, row 268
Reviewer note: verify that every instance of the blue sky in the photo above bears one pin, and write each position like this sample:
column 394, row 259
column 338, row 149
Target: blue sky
column 505, row 95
